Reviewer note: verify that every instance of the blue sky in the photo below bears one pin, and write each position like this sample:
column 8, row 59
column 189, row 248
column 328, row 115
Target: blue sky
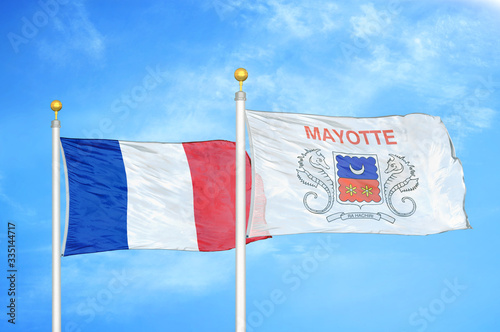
column 343, row 58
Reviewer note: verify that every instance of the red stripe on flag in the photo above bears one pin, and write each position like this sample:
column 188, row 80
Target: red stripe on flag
column 213, row 173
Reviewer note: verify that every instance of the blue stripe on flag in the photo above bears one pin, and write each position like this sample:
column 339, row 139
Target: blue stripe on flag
column 98, row 196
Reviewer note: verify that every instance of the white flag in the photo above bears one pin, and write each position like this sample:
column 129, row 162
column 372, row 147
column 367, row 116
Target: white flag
column 386, row 175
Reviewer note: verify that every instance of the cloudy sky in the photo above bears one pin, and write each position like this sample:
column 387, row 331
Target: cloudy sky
column 163, row 71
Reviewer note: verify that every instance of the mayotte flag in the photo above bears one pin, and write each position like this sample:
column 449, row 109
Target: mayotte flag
column 326, row 174
column 358, row 179
column 136, row 195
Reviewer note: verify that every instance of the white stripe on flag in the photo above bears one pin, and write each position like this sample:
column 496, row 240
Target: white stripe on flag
column 155, row 219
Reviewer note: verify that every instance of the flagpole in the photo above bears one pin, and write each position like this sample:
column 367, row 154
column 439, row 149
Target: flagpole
column 240, row 97
column 56, row 220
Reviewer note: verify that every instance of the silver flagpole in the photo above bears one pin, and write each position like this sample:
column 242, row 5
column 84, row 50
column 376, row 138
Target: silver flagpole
column 56, row 220
column 240, row 74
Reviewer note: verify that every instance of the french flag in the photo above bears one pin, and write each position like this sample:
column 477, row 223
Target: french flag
column 134, row 195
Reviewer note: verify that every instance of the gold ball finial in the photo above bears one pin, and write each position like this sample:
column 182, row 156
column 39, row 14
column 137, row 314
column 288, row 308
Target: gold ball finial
column 56, row 106
column 241, row 74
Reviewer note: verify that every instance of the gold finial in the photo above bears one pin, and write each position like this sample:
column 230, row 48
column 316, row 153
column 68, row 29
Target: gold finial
column 56, row 106
column 241, row 74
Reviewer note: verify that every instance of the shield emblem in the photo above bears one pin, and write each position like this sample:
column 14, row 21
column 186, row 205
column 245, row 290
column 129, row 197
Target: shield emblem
column 358, row 178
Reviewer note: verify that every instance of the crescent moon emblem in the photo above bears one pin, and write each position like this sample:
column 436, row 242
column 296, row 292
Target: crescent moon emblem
column 357, row 172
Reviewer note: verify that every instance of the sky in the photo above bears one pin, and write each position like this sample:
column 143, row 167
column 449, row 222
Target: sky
column 163, row 71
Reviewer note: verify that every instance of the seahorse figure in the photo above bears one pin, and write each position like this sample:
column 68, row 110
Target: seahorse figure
column 402, row 179
column 311, row 172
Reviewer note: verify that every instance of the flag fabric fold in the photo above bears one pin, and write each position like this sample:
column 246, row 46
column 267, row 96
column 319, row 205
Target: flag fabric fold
column 134, row 195
column 387, row 175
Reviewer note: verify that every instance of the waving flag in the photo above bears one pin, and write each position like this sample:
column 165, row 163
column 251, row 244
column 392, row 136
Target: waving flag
column 131, row 195
column 390, row 175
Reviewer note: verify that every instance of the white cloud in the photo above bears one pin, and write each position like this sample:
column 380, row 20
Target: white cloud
column 422, row 48
column 246, row 52
column 76, row 35
column 465, row 121
column 289, row 19
column 373, row 22
column 470, row 119
column 495, row 4
column 480, row 117
column 300, row 20
column 418, row 56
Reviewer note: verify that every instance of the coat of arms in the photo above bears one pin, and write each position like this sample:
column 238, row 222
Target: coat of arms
column 358, row 181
